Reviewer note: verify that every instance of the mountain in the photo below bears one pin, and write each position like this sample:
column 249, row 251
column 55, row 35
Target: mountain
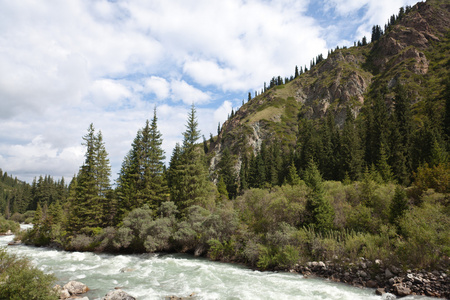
column 411, row 54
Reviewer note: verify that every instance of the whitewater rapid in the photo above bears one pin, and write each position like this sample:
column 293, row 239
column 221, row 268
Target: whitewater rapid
column 155, row 276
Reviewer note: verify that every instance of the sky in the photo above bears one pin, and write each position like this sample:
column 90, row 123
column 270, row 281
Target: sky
column 67, row 64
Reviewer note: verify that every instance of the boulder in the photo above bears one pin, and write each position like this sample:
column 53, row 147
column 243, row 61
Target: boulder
column 118, row 295
column 380, row 291
column 371, row 284
column 64, row 294
column 401, row 290
column 75, row 287
column 388, row 273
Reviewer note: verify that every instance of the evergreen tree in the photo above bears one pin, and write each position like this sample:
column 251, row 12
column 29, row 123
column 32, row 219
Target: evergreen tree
column 398, row 205
column 319, row 210
column 351, row 148
column 191, row 185
column 222, row 188
column 227, row 173
column 292, row 177
column 376, row 130
column 446, row 122
column 142, row 179
column 383, row 166
column 89, row 207
column 400, row 140
column 243, row 174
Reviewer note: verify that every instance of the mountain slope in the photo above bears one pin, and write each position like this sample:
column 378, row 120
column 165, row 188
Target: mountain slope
column 413, row 52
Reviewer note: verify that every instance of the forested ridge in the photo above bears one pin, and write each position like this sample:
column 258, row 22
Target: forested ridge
column 365, row 174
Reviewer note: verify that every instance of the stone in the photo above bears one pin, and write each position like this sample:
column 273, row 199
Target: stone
column 75, row 287
column 118, row 295
column 64, row 294
column 402, row 290
column 321, row 264
column 361, row 274
column 371, row 284
column 124, row 270
column 380, row 291
column 388, row 274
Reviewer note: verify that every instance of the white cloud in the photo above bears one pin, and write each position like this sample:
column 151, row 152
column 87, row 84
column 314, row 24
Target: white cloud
column 222, row 112
column 158, row 86
column 375, row 12
column 185, row 92
column 65, row 64
column 105, row 92
column 39, row 157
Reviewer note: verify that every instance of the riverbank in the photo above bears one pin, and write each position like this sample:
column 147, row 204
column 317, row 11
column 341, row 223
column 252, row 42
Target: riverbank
column 375, row 275
column 385, row 279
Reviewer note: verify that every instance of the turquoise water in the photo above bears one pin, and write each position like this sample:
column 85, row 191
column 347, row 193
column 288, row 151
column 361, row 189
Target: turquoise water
column 155, row 276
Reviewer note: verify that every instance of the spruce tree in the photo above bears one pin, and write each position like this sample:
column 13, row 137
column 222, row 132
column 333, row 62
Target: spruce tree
column 191, row 185
column 142, row 179
column 398, row 205
column 227, row 173
column 320, row 213
column 351, row 148
column 89, row 207
column 292, row 177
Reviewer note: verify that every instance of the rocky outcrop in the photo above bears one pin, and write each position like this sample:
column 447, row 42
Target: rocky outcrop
column 385, row 279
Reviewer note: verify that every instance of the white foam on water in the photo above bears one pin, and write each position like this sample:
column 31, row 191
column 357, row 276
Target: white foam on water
column 152, row 276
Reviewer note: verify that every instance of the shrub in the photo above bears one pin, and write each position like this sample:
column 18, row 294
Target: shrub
column 17, row 217
column 6, row 225
column 427, row 236
column 157, row 235
column 20, row 280
column 81, row 242
column 104, row 241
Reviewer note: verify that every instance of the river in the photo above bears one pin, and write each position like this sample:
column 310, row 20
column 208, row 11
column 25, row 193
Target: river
column 155, row 276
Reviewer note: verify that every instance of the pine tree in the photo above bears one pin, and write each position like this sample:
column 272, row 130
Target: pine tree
column 401, row 137
column 383, row 166
column 292, row 177
column 227, row 173
column 243, row 174
column 191, row 185
column 351, row 148
column 222, row 188
column 398, row 205
column 319, row 210
column 142, row 180
column 90, row 206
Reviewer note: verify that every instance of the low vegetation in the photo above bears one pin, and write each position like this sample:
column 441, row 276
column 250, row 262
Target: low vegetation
column 19, row 280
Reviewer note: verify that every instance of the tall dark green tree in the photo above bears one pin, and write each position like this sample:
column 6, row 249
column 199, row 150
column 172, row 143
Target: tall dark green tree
column 91, row 207
column 189, row 175
column 320, row 213
column 351, row 150
column 227, row 173
column 142, row 179
column 400, row 138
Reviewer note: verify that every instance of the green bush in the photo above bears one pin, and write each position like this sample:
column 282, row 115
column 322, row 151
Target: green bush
column 6, row 225
column 20, row 280
column 426, row 231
